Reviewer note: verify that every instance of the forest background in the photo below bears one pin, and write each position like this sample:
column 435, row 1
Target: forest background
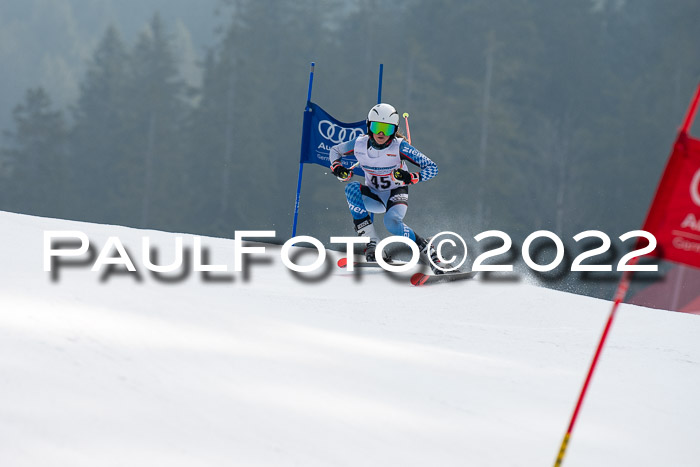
column 186, row 116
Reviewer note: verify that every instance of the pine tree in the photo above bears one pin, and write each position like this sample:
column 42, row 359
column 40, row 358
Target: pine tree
column 157, row 108
column 206, row 142
column 37, row 163
column 249, row 115
column 99, row 136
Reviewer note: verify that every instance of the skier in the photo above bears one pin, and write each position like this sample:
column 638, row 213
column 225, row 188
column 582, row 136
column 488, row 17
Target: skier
column 382, row 154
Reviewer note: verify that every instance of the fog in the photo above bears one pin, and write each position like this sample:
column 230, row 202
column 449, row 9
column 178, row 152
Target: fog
column 186, row 115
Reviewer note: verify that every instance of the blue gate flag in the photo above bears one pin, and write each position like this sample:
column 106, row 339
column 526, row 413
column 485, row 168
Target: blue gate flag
column 321, row 132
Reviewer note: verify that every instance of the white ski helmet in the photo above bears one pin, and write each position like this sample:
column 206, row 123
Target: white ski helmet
column 383, row 113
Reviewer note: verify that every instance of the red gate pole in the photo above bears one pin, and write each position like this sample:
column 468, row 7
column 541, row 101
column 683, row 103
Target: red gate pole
column 620, row 293
column 688, row 120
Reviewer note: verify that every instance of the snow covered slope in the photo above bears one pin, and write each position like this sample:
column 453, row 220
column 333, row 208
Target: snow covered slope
column 279, row 371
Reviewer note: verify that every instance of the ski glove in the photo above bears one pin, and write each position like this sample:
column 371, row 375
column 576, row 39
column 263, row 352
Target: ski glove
column 341, row 172
column 408, row 178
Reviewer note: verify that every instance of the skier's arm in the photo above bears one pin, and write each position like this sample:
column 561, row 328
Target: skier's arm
column 339, row 150
column 336, row 159
column 428, row 168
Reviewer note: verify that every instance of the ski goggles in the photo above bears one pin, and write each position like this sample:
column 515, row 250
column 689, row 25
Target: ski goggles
column 380, row 127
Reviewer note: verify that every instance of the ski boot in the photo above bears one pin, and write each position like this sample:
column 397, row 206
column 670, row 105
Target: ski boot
column 430, row 256
column 365, row 228
column 370, row 250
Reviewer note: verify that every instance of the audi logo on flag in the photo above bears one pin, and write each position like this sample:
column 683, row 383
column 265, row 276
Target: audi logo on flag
column 695, row 188
column 336, row 133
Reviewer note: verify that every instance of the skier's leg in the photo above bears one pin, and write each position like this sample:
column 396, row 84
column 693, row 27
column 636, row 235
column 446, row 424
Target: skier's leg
column 374, row 202
column 358, row 210
column 393, row 220
column 397, row 205
column 361, row 201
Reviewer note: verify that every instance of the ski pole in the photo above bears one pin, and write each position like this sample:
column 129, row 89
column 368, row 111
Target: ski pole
column 408, row 130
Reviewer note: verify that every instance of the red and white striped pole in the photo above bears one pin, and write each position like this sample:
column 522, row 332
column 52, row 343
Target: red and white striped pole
column 408, row 130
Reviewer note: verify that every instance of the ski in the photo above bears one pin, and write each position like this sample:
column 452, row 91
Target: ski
column 419, row 278
column 343, row 263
